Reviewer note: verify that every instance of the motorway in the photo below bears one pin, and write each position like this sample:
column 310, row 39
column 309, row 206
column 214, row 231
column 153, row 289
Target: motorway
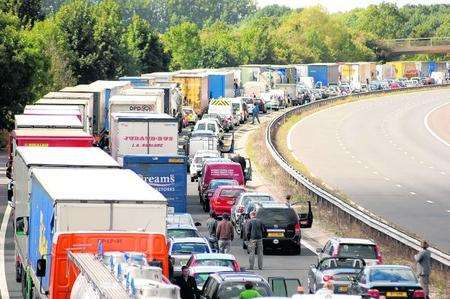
column 274, row 265
column 389, row 155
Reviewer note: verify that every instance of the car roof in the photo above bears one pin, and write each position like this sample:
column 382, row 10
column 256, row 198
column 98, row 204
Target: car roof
column 374, row 267
column 215, row 256
column 271, row 204
column 207, row 120
column 250, row 194
column 354, row 241
column 180, row 218
column 210, row 269
column 239, row 276
column 180, row 226
column 190, row 240
column 206, row 152
column 231, row 187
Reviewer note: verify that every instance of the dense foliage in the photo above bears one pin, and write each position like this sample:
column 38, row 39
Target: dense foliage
column 48, row 44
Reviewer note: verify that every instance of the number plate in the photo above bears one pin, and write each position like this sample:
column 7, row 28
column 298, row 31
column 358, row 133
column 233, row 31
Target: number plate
column 343, row 289
column 396, row 294
column 275, row 234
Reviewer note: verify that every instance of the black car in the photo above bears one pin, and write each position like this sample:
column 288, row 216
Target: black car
column 230, row 284
column 283, row 226
column 391, row 281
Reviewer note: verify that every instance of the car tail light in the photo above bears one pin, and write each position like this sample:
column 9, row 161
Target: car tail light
column 379, row 257
column 236, row 266
column 373, row 293
column 327, row 277
column 297, row 228
column 419, row 294
column 241, row 209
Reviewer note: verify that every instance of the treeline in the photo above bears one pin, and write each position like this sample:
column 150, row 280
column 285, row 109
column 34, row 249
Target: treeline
column 48, row 44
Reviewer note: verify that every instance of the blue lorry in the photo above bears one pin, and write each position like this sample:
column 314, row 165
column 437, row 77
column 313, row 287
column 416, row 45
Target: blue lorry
column 165, row 174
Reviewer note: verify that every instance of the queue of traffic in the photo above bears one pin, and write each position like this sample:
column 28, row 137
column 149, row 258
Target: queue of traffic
column 99, row 193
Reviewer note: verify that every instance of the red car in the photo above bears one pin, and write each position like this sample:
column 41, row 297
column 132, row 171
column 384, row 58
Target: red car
column 394, row 85
column 224, row 198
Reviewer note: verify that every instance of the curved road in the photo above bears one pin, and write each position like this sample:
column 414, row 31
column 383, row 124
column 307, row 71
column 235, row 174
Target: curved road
column 390, row 155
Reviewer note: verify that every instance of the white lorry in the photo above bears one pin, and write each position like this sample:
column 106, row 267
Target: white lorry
column 65, row 200
column 136, row 103
column 22, row 121
column 224, row 108
column 143, row 133
column 27, row 159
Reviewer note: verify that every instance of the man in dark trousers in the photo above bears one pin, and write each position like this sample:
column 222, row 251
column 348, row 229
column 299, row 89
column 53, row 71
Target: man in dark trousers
column 255, row 232
column 423, row 259
column 187, row 284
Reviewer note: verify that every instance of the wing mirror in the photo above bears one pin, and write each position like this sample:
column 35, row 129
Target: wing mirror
column 197, row 224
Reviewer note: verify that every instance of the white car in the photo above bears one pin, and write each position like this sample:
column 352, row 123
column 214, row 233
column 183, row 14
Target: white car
column 208, row 124
column 181, row 249
column 198, row 161
column 243, row 200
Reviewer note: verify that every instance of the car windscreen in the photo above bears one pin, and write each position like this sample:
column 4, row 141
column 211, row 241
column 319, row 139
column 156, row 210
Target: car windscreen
column 200, row 278
column 201, row 127
column 215, row 262
column 216, row 183
column 232, row 289
column 187, row 111
column 236, row 106
column 211, row 127
column 262, row 198
column 182, row 233
column 231, row 192
column 365, row 251
column 278, row 216
column 336, row 263
column 189, row 248
column 392, row 275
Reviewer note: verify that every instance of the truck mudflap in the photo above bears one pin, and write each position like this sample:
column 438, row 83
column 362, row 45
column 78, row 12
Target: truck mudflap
column 227, row 141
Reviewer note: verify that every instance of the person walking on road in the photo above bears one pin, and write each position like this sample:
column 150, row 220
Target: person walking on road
column 241, row 160
column 423, row 259
column 225, row 234
column 187, row 284
column 249, row 292
column 211, row 224
column 254, row 234
column 255, row 112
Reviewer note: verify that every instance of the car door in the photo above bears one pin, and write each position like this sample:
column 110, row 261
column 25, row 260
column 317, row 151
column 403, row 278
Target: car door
column 283, row 287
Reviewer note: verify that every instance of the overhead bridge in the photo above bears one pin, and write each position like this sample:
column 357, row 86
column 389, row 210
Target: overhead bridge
column 433, row 45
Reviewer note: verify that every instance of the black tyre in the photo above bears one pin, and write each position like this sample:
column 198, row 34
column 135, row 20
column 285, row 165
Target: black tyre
column 297, row 250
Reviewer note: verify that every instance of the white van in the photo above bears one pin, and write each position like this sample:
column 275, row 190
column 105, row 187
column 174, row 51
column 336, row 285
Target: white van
column 224, row 107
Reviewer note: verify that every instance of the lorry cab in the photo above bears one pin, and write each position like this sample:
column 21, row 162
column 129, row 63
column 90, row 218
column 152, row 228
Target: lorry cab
column 224, row 107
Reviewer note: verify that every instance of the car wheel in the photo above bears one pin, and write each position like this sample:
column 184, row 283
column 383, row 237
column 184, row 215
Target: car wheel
column 206, row 205
column 244, row 246
column 19, row 271
column 297, row 250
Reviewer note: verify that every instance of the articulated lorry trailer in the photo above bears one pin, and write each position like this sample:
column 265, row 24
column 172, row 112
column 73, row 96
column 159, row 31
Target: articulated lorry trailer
column 27, row 159
column 85, row 200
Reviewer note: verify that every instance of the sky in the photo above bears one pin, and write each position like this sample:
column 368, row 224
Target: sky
column 344, row 5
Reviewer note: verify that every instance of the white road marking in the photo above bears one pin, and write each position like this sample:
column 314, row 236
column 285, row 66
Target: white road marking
column 3, row 284
column 430, row 202
column 359, row 162
column 387, row 179
column 375, row 172
column 398, row 185
column 431, row 167
column 347, row 152
column 353, row 157
column 443, row 173
column 427, row 126
column 448, row 211
column 421, row 162
column 366, row 167
column 405, row 153
column 412, row 193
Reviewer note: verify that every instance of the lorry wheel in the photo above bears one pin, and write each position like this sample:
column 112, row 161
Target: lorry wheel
column 19, row 271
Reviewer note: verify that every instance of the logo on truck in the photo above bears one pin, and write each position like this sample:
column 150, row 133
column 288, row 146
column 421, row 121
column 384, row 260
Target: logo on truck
column 160, row 183
column 146, row 108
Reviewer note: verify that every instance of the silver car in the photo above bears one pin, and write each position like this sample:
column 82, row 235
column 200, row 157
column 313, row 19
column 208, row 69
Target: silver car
column 339, row 270
column 242, row 203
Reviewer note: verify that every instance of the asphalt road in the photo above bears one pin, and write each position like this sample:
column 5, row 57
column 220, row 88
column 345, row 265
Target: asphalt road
column 387, row 156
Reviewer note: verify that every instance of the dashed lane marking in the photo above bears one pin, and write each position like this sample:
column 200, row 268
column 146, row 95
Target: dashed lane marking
column 399, row 186
column 430, row 202
column 387, row 179
column 412, row 193
column 3, row 284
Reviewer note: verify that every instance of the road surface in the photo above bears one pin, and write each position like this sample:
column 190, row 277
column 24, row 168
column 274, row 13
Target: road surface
column 390, row 155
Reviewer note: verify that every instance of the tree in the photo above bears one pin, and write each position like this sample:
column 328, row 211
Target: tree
column 219, row 46
column 75, row 24
column 145, row 48
column 28, row 11
column 20, row 64
column 183, row 43
column 111, row 56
